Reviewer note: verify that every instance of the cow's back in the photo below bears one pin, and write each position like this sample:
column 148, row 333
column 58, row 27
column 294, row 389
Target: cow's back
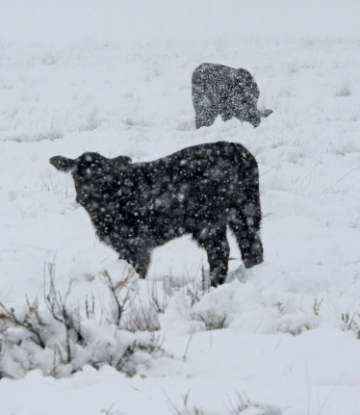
column 219, row 77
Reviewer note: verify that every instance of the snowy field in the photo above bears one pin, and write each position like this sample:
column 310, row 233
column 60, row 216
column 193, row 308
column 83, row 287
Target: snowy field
column 114, row 77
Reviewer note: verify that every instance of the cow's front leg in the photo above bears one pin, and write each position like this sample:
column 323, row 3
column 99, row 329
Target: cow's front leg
column 205, row 117
column 226, row 113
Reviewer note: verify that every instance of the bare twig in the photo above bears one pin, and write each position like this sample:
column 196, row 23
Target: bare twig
column 316, row 306
column 241, row 404
column 33, row 327
column 110, row 411
column 280, row 306
column 112, row 288
column 187, row 347
column 58, row 309
column 351, row 324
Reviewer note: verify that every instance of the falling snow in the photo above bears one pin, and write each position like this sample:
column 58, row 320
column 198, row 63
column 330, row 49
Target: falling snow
column 97, row 77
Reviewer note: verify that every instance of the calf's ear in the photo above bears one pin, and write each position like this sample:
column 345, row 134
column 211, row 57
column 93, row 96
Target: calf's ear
column 121, row 161
column 62, row 163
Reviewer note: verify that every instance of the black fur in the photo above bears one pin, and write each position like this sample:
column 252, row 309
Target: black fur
column 198, row 190
column 229, row 92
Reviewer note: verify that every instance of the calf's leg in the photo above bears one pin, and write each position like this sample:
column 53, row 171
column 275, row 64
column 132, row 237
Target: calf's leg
column 215, row 243
column 138, row 258
column 248, row 239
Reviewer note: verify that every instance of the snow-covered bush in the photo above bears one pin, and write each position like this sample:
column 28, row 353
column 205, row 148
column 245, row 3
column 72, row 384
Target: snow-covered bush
column 242, row 306
column 60, row 340
column 352, row 323
column 241, row 405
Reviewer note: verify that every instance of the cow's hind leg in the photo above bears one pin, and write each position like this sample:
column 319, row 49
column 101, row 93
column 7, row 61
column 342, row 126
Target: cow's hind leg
column 247, row 237
column 215, row 243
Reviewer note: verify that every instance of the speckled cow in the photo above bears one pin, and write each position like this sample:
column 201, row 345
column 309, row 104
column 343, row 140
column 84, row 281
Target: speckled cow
column 228, row 92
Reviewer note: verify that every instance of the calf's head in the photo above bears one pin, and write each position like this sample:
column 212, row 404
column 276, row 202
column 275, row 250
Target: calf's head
column 94, row 175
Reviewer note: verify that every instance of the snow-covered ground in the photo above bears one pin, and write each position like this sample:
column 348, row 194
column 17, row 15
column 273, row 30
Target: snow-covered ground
column 114, row 77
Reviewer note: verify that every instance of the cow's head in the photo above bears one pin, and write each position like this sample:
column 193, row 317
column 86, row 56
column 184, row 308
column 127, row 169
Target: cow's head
column 246, row 111
column 244, row 98
column 242, row 104
column 251, row 114
column 94, row 175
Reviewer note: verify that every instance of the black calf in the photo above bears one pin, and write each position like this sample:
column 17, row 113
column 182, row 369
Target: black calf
column 198, row 190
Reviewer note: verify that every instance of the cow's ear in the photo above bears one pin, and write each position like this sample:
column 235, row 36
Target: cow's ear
column 62, row 163
column 121, row 161
column 265, row 113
